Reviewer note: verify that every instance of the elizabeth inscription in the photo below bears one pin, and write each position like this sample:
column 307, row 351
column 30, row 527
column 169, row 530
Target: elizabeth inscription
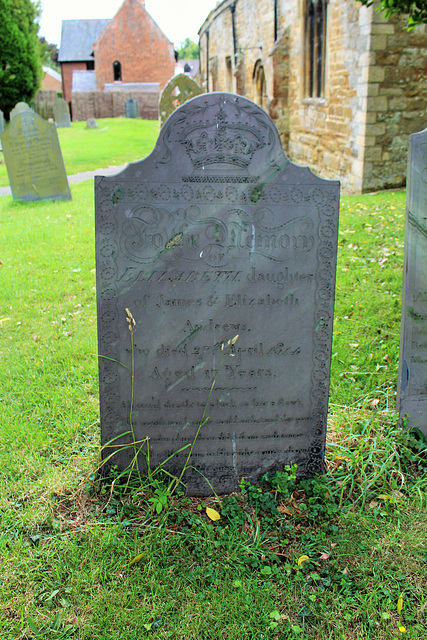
column 217, row 234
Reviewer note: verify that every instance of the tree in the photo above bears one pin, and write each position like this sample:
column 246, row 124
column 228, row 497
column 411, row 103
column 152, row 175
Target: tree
column 49, row 54
column 416, row 10
column 188, row 50
column 20, row 59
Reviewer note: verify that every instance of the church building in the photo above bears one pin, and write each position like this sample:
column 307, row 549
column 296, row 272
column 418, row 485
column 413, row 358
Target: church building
column 344, row 85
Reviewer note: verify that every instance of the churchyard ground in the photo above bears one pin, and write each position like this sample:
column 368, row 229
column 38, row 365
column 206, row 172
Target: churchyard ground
column 339, row 557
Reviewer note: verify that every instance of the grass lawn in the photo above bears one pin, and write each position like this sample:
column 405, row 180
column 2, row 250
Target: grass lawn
column 343, row 556
column 115, row 142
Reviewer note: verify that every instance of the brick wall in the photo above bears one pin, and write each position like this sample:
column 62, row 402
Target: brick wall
column 43, row 103
column 111, row 104
column 67, row 69
column 134, row 39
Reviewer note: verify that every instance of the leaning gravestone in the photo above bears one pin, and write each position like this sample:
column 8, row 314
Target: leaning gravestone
column 412, row 391
column 178, row 90
column 216, row 234
column 61, row 112
column 20, row 107
column 131, row 107
column 33, row 159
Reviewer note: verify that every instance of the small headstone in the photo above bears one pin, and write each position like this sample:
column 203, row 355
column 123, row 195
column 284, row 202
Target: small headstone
column 216, row 234
column 1, row 121
column 33, row 159
column 61, row 112
column 20, row 107
column 178, row 90
column 412, row 385
column 91, row 124
column 131, row 106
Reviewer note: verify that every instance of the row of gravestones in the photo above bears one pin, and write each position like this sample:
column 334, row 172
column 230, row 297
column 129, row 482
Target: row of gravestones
column 31, row 147
column 216, row 234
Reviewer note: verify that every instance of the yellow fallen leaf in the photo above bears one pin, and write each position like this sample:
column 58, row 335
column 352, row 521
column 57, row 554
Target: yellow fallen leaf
column 303, row 559
column 384, row 497
column 212, row 514
column 137, row 558
column 402, row 629
column 400, row 604
column 282, row 509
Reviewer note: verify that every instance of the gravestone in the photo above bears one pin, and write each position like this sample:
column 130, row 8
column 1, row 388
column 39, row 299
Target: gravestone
column 216, row 234
column 20, row 107
column 178, row 91
column 412, row 384
column 91, row 124
column 33, row 159
column 131, row 106
column 61, row 112
column 1, row 121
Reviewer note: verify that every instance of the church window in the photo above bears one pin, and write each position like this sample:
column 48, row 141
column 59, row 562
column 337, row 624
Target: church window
column 117, row 71
column 315, row 44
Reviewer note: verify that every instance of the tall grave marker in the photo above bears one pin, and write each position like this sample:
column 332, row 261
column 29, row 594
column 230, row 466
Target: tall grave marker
column 33, row 159
column 178, row 90
column 61, row 113
column 131, row 108
column 216, row 234
column 1, row 121
column 412, row 387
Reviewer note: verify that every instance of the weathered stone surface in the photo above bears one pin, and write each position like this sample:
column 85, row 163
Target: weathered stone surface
column 92, row 123
column 178, row 90
column 216, row 234
column 131, row 106
column 1, row 121
column 20, row 107
column 33, row 159
column 412, row 387
column 61, row 113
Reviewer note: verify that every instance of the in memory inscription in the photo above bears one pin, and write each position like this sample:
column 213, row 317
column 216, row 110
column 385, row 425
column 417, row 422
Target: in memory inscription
column 412, row 386
column 33, row 159
column 217, row 234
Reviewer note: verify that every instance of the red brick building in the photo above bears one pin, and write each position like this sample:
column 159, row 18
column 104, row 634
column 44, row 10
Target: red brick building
column 126, row 50
column 133, row 48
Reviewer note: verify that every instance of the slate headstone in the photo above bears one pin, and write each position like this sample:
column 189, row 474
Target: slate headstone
column 216, row 234
column 178, row 90
column 412, row 385
column 33, row 159
column 20, row 107
column 131, row 106
column 1, row 121
column 91, row 124
column 61, row 112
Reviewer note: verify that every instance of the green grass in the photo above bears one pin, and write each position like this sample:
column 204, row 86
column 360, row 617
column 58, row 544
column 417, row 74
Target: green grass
column 67, row 545
column 115, row 142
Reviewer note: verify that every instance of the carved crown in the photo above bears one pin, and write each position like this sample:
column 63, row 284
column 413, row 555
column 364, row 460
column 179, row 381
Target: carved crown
column 218, row 141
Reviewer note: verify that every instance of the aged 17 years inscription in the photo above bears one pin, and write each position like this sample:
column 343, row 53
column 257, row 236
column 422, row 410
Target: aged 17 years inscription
column 217, row 234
